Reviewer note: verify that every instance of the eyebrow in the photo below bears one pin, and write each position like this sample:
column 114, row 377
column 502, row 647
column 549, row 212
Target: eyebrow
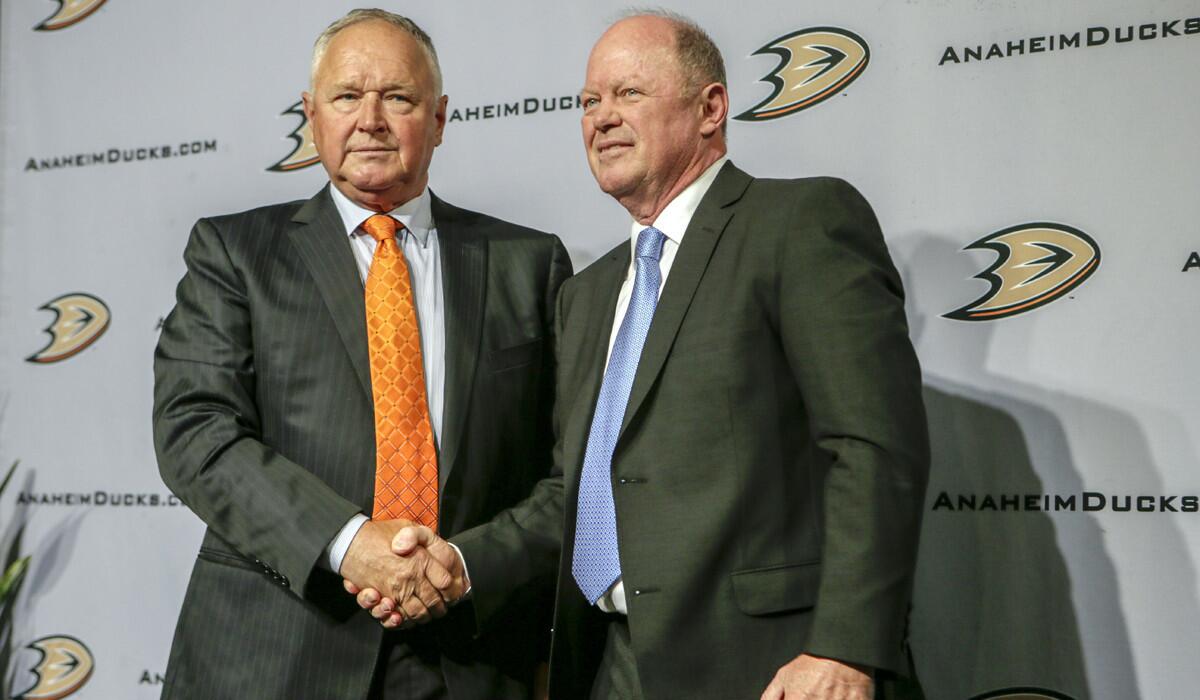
column 390, row 87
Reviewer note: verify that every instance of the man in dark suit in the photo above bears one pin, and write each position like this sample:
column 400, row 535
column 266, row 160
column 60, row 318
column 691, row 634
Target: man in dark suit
column 741, row 445
column 267, row 402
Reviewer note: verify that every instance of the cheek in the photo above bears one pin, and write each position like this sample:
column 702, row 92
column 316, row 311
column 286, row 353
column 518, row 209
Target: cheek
column 327, row 137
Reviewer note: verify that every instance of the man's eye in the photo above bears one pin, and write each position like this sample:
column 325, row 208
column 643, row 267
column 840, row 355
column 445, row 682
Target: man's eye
column 631, row 92
column 397, row 98
column 344, row 97
column 590, row 102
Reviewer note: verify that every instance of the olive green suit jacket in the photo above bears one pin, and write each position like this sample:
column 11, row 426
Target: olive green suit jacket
column 769, row 474
column 264, row 427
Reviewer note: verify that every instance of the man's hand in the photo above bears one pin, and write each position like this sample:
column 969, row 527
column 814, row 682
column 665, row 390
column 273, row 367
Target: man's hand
column 443, row 571
column 412, row 579
column 816, row 678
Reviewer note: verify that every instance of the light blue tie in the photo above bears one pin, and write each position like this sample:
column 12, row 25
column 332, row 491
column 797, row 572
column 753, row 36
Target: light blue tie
column 597, row 563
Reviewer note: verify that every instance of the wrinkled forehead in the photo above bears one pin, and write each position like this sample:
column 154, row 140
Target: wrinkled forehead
column 621, row 58
column 374, row 48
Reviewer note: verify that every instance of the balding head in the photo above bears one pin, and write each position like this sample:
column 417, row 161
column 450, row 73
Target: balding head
column 649, row 129
column 401, row 22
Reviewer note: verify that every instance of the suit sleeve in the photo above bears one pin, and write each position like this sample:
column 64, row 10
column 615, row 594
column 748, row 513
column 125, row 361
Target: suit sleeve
column 846, row 339
column 521, row 544
column 207, row 430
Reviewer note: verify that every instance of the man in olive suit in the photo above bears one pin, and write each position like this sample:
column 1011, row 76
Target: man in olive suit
column 741, row 449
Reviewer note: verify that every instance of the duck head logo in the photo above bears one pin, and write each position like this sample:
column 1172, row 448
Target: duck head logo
column 814, row 64
column 79, row 320
column 66, row 665
column 69, row 12
column 1023, row 694
column 304, row 153
column 1037, row 264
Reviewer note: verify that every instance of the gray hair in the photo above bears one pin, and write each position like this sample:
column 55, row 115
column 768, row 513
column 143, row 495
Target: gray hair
column 354, row 17
column 697, row 53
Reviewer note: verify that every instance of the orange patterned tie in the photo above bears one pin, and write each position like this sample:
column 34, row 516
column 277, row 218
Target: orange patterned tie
column 406, row 471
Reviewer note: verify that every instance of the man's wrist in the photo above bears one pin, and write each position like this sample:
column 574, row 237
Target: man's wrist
column 335, row 553
column 466, row 574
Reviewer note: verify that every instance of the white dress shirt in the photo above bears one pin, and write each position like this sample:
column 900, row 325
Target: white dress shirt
column 673, row 222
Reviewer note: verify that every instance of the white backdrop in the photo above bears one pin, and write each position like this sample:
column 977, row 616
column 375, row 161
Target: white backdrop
column 1090, row 397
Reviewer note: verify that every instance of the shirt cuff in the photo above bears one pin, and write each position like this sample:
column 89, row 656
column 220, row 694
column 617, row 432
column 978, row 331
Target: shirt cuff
column 336, row 551
column 466, row 573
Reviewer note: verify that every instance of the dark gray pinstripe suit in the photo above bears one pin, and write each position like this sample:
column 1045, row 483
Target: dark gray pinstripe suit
column 263, row 426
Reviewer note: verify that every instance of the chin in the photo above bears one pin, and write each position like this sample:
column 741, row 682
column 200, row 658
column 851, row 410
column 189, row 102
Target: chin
column 612, row 185
column 371, row 184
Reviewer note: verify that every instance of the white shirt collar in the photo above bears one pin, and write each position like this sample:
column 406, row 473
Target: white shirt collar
column 415, row 214
column 674, row 219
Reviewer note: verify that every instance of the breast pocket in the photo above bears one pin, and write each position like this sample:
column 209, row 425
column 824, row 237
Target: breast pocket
column 716, row 340
column 515, row 356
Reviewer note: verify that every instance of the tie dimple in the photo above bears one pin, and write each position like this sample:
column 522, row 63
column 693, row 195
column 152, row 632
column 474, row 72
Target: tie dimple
column 406, row 476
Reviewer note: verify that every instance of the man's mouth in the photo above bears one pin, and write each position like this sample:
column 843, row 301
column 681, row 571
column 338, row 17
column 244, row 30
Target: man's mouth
column 612, row 147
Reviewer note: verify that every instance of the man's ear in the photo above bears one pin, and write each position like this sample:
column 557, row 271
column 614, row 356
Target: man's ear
column 440, row 116
column 307, row 98
column 714, row 103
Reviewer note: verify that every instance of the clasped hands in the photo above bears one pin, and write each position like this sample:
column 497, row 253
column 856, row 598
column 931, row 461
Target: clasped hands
column 403, row 572
column 422, row 575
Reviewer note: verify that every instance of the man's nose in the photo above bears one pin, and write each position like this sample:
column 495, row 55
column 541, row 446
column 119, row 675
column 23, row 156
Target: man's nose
column 604, row 116
column 370, row 113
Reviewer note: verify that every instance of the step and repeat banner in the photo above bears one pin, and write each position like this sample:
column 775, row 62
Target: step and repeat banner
column 1035, row 167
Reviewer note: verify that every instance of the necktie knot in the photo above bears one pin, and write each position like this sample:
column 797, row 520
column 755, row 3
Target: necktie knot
column 649, row 243
column 381, row 227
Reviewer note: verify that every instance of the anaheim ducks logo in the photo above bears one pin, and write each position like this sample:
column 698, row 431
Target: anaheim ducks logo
column 813, row 65
column 79, row 320
column 304, row 153
column 1038, row 263
column 69, row 12
column 1023, row 694
column 65, row 667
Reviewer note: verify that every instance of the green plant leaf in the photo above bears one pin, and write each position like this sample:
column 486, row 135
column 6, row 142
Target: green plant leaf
column 8, row 476
column 12, row 578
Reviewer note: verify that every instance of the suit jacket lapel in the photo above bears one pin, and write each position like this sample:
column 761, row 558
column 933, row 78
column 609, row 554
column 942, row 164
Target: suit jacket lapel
column 596, row 312
column 709, row 221
column 463, row 252
column 325, row 248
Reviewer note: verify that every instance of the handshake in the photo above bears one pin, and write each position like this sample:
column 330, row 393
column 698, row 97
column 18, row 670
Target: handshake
column 403, row 573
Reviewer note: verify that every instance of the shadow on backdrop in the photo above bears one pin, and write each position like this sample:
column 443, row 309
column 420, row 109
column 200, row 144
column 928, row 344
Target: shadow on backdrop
column 995, row 605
